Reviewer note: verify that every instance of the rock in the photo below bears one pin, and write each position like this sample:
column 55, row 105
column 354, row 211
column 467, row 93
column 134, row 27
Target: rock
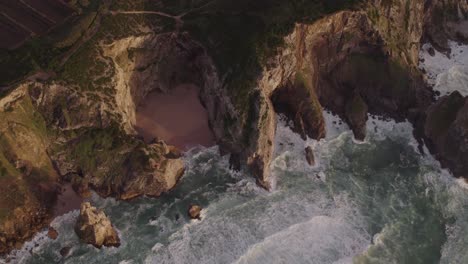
column 81, row 186
column 298, row 101
column 356, row 115
column 93, row 227
column 194, row 212
column 441, row 115
column 173, row 152
column 65, row 251
column 431, row 51
column 446, row 132
column 52, row 233
column 309, row 153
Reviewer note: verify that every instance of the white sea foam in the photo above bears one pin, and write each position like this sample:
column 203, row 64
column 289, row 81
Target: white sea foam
column 322, row 239
column 40, row 241
column 446, row 73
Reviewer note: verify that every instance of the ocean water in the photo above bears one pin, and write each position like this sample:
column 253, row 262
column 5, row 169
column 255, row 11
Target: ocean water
column 446, row 72
column 377, row 201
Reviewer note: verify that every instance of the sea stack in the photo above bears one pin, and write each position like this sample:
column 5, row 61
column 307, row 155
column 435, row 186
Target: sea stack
column 94, row 227
column 195, row 212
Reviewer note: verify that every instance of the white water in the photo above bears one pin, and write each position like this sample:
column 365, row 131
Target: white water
column 447, row 73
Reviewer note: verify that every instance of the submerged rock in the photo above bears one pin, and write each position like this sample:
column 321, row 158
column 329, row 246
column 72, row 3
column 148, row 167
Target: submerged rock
column 195, row 212
column 93, row 227
column 309, row 153
column 65, row 251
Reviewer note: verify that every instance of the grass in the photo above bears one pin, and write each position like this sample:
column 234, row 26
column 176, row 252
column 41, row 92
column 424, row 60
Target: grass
column 23, row 136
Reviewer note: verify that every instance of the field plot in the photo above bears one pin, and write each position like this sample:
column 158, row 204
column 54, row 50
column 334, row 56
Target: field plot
column 22, row 19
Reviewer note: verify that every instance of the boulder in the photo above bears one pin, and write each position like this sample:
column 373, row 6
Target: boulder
column 194, row 212
column 446, row 132
column 309, row 153
column 93, row 227
column 356, row 116
column 52, row 233
column 65, row 251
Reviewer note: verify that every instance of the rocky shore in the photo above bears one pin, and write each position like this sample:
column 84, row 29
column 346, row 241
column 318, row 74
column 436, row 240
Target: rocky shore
column 354, row 63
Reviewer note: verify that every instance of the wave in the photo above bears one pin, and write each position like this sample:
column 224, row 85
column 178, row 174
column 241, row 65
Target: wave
column 446, row 72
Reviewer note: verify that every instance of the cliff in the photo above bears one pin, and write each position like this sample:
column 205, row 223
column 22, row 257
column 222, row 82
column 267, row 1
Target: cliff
column 251, row 61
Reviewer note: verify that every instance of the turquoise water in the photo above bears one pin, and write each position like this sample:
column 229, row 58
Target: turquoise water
column 374, row 202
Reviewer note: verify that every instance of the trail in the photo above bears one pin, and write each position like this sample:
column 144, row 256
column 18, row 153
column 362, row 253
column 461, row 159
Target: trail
column 178, row 19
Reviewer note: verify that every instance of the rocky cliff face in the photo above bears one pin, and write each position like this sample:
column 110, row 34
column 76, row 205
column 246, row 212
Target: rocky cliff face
column 446, row 130
column 357, row 63
column 95, row 228
column 27, row 177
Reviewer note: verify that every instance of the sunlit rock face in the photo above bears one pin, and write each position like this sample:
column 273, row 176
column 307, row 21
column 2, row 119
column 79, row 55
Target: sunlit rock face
column 93, row 227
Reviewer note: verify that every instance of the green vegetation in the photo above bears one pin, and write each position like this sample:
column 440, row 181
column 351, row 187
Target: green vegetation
column 23, row 137
column 105, row 148
column 68, row 35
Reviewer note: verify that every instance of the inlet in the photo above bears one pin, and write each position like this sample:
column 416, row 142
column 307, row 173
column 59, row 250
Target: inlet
column 177, row 117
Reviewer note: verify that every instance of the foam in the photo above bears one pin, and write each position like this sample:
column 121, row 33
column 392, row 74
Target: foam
column 446, row 73
column 41, row 240
column 309, row 242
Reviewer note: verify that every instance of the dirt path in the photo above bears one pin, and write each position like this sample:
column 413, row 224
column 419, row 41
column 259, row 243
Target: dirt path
column 178, row 19
column 67, row 200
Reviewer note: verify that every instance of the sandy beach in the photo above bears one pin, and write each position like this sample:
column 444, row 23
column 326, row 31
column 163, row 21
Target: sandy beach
column 68, row 200
column 177, row 117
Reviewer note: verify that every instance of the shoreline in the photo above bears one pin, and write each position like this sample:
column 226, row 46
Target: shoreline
column 177, row 117
column 67, row 200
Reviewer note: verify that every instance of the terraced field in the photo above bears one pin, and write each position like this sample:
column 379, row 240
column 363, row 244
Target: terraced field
column 24, row 18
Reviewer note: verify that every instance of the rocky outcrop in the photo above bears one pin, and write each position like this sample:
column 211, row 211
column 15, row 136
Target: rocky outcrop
column 441, row 22
column 52, row 233
column 194, row 212
column 309, row 154
column 400, row 23
column 446, row 131
column 403, row 24
column 356, row 116
column 300, row 104
column 93, row 227
column 342, row 61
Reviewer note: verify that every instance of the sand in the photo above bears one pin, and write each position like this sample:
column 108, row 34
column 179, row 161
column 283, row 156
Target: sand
column 68, row 200
column 176, row 117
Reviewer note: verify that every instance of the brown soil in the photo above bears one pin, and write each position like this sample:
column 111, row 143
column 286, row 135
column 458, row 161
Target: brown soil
column 176, row 117
column 67, row 200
